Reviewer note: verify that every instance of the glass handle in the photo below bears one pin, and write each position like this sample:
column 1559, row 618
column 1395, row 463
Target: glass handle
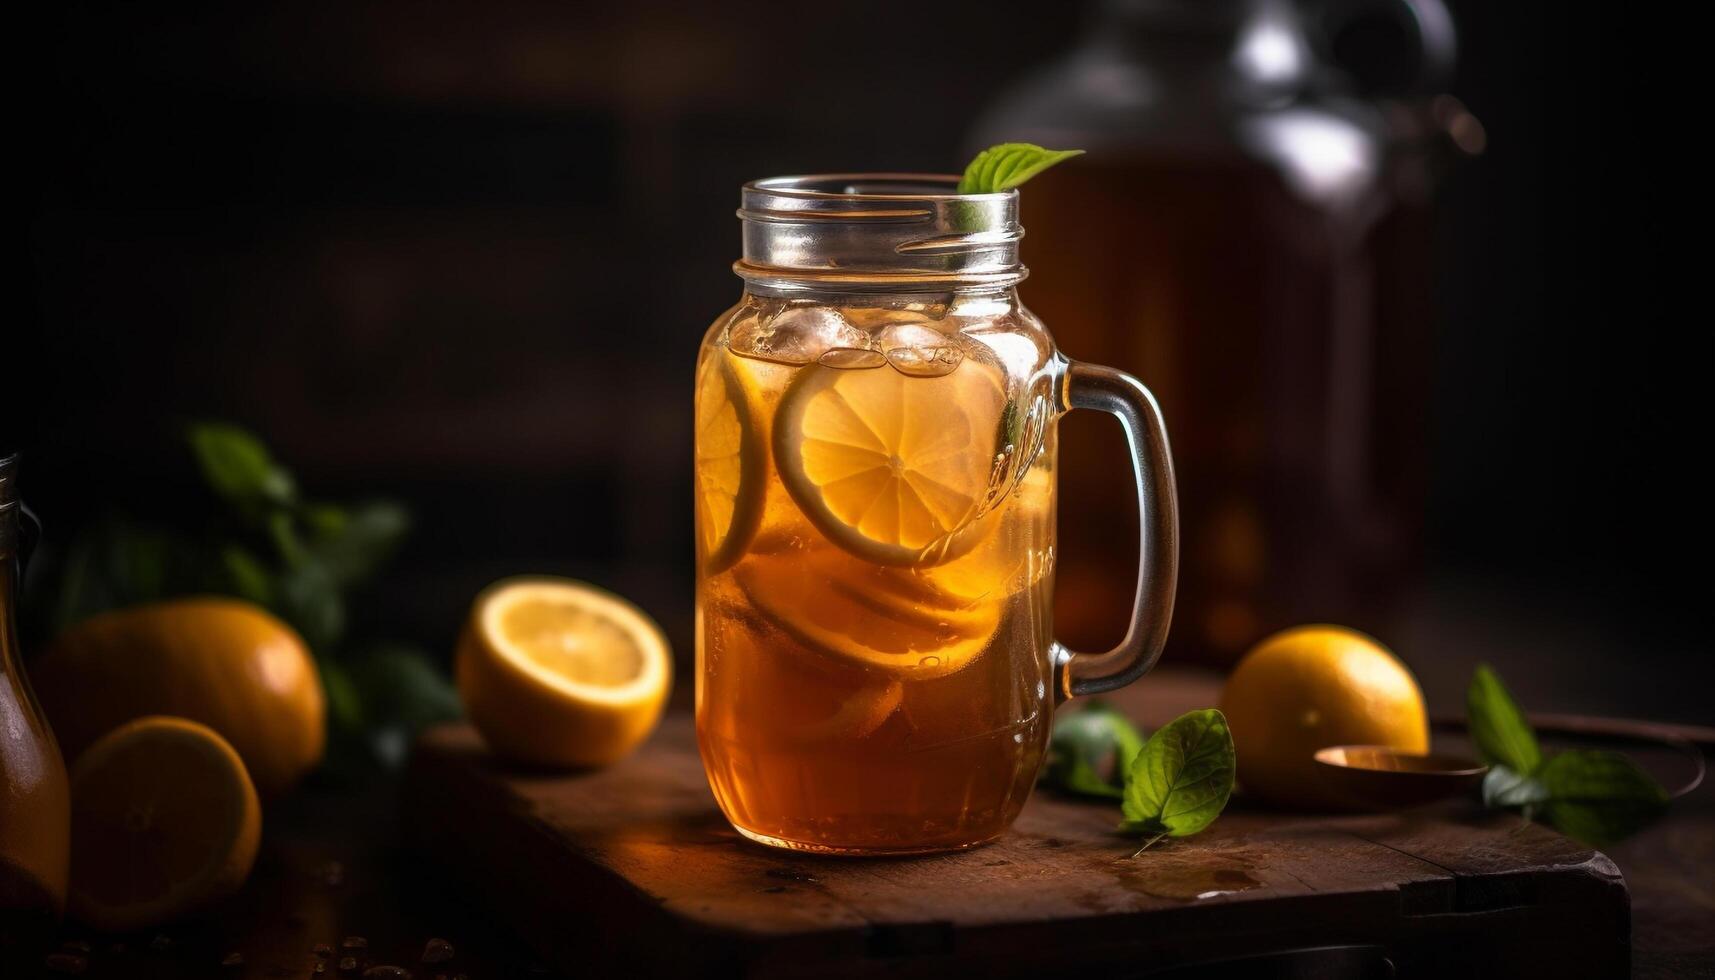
column 1125, row 397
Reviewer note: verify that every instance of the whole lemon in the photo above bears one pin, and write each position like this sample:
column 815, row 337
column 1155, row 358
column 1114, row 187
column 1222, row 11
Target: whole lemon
column 1310, row 687
column 226, row 663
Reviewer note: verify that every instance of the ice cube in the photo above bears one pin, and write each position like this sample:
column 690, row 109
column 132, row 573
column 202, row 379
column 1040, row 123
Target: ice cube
column 852, row 358
column 918, row 349
column 799, row 335
column 925, row 362
column 917, row 333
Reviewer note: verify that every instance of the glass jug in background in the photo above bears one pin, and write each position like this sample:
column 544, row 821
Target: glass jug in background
column 875, row 485
column 35, row 807
column 1250, row 229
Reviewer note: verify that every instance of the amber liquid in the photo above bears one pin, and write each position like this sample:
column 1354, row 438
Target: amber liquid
column 846, row 705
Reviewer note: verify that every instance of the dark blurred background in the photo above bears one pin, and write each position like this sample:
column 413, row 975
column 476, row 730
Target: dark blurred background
column 463, row 256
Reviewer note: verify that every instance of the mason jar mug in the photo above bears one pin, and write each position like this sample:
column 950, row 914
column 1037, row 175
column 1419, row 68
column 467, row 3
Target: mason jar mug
column 875, row 509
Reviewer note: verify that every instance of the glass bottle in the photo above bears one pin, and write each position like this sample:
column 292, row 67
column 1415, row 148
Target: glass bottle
column 35, row 808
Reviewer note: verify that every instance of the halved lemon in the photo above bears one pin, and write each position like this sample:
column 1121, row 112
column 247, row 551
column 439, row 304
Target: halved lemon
column 729, row 464
column 165, row 822
column 556, row 672
column 894, row 469
column 863, row 615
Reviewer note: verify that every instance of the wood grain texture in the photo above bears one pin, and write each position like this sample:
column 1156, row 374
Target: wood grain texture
column 632, row 869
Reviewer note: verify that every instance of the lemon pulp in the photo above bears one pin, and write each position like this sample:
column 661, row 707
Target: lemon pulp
column 889, row 467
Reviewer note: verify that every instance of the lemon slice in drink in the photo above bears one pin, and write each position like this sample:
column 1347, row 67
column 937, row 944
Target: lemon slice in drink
column 758, row 681
column 729, row 477
column 559, row 673
column 889, row 467
column 862, row 615
column 1011, row 558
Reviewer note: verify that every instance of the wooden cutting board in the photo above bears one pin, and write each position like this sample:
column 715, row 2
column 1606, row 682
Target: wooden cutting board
column 632, row 871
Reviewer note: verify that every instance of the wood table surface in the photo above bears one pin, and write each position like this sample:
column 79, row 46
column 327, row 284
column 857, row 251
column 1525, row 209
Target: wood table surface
column 639, row 856
column 336, row 865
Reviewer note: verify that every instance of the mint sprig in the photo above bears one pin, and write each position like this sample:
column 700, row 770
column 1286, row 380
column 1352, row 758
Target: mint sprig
column 1172, row 784
column 1502, row 735
column 1091, row 751
column 253, row 534
column 1006, row 165
column 1599, row 797
column 1181, row 780
column 1594, row 796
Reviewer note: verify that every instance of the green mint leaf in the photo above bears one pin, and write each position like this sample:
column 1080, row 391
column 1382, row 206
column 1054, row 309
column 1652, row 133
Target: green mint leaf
column 323, row 520
column 237, row 466
column 353, row 543
column 345, row 706
column 1598, row 796
column 1502, row 735
column 284, row 533
column 1090, row 751
column 307, row 597
column 244, row 575
column 399, row 684
column 1504, row 787
column 1006, row 165
column 1181, row 780
column 141, row 562
column 400, row 692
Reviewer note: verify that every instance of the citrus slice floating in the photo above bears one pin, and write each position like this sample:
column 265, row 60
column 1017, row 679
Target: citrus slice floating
column 894, row 469
column 827, row 601
column 729, row 463
column 758, row 682
column 1011, row 558
column 165, row 822
column 560, row 673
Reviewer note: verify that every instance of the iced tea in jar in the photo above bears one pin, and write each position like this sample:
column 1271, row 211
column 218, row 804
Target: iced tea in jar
column 875, row 506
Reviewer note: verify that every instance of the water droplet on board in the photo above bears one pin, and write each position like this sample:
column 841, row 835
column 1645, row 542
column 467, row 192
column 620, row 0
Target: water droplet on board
column 1189, row 882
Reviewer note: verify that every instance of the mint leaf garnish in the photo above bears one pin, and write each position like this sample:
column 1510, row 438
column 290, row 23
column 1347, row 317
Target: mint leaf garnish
column 1498, row 726
column 1091, row 751
column 1503, row 787
column 1006, row 165
column 1181, row 780
column 238, row 467
column 1599, row 797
